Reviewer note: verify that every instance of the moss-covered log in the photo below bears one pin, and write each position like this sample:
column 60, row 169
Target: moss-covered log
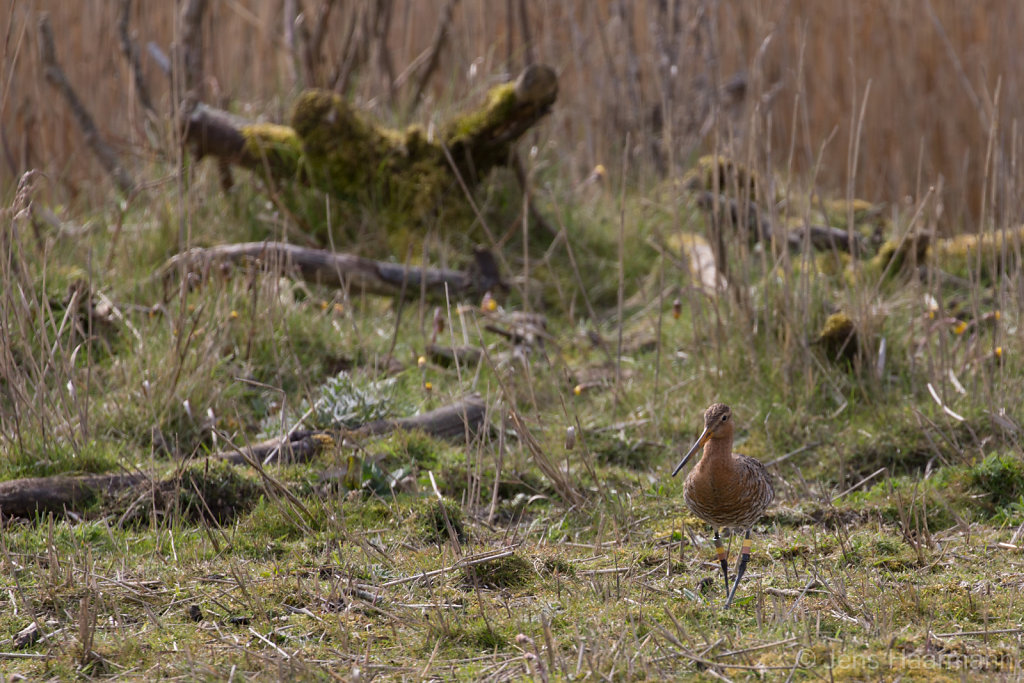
column 331, row 147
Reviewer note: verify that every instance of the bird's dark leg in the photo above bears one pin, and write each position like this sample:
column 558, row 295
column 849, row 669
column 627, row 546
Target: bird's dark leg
column 744, row 556
column 723, row 559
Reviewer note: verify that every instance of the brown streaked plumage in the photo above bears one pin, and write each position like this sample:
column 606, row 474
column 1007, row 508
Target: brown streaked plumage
column 726, row 489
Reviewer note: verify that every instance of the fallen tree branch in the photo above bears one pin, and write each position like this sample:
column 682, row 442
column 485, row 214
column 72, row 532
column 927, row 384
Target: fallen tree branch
column 827, row 238
column 217, row 133
column 448, row 422
column 466, row 356
column 453, row 421
column 39, row 495
column 55, row 76
column 348, row 271
column 760, row 227
column 300, row 446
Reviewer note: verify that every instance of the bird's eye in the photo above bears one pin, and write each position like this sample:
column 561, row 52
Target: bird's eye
column 725, row 418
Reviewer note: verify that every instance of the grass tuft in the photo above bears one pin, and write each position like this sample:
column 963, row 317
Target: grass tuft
column 513, row 571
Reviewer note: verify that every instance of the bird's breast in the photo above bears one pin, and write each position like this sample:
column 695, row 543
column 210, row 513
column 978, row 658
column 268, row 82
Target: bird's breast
column 728, row 494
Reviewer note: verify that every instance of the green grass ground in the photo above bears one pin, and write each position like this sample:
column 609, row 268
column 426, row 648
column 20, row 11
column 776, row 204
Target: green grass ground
column 893, row 550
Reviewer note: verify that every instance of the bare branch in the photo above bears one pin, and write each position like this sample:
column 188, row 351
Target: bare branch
column 524, row 23
column 382, row 26
column 160, row 57
column 292, row 13
column 192, row 48
column 55, row 77
column 355, row 50
column 316, row 41
column 440, row 38
column 310, row 40
column 131, row 52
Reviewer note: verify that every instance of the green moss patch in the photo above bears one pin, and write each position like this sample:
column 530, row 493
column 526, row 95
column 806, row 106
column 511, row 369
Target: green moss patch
column 216, row 492
column 512, row 571
column 212, row 491
column 1001, row 476
column 610, row 448
column 838, row 338
column 434, row 521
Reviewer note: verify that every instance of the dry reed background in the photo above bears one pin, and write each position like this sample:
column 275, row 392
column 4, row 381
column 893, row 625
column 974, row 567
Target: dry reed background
column 935, row 80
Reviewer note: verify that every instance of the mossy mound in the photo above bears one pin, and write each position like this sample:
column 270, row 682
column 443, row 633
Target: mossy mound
column 473, row 633
column 993, row 252
column 215, row 492
column 724, row 175
column 936, row 503
column 357, row 161
column 838, row 338
column 1001, row 476
column 838, row 211
column 895, row 256
column 434, row 521
column 505, row 572
column 417, row 447
column 277, row 146
column 557, row 565
column 614, row 449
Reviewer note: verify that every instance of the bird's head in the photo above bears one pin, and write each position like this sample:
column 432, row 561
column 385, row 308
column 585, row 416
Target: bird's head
column 718, row 421
column 717, row 425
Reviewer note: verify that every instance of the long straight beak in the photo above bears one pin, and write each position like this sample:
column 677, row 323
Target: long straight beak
column 704, row 436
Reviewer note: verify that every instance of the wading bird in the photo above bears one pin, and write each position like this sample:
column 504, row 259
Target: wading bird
column 726, row 489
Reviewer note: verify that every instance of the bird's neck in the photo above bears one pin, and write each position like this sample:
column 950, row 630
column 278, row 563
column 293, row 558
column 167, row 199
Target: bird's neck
column 717, row 452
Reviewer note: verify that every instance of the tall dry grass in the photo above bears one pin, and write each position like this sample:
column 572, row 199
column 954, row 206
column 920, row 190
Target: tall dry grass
column 933, row 78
